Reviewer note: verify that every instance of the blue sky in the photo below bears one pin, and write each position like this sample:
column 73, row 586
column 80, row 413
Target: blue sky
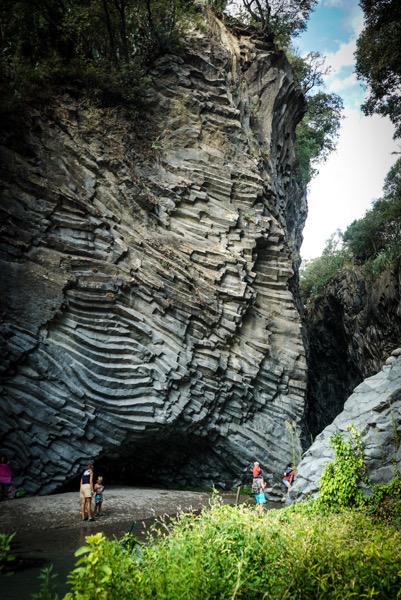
column 354, row 175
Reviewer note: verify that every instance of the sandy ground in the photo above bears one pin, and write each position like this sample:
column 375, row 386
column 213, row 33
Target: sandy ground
column 121, row 503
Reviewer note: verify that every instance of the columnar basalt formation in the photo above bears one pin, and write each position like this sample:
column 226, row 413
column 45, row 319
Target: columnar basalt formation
column 147, row 313
column 352, row 330
column 374, row 409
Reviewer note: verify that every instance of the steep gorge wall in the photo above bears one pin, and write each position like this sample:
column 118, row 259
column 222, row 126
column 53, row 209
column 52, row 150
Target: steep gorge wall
column 352, row 331
column 147, row 315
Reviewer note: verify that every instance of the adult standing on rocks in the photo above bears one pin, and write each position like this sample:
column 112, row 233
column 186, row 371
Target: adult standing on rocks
column 86, row 492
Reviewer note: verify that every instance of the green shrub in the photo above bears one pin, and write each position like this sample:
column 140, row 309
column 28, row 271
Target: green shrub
column 384, row 259
column 5, row 550
column 231, row 552
column 317, row 272
column 94, row 47
column 338, row 486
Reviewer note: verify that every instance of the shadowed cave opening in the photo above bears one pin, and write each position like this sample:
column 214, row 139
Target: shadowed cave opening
column 174, row 462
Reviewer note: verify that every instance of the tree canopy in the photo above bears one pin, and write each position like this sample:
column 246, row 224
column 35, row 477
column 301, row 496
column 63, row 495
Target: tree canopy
column 103, row 44
column 285, row 18
column 317, row 133
column 105, row 48
column 378, row 59
column 380, row 229
column 374, row 241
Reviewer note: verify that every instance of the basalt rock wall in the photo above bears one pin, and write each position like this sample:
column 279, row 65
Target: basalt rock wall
column 352, row 331
column 374, row 409
column 147, row 317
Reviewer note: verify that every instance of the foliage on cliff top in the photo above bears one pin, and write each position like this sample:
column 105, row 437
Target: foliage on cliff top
column 378, row 59
column 100, row 46
column 373, row 242
column 317, row 272
column 282, row 20
column 380, row 228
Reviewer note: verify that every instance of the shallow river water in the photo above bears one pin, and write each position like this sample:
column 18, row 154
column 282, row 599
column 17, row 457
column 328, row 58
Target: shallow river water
column 35, row 550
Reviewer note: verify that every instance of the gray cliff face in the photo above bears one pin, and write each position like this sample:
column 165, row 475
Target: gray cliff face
column 352, row 330
column 147, row 318
column 374, row 409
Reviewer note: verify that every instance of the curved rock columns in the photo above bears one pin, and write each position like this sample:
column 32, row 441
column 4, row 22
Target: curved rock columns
column 147, row 315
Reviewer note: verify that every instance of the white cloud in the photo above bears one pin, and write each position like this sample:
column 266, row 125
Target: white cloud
column 354, row 176
column 343, row 57
column 335, row 3
column 351, row 179
column 337, row 85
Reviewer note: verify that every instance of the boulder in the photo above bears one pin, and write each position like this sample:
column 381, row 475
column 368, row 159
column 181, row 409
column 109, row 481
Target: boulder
column 374, row 409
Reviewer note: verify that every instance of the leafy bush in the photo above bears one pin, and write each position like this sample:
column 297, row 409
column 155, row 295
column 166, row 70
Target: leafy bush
column 373, row 241
column 378, row 59
column 316, row 134
column 385, row 502
column 316, row 273
column 379, row 231
column 230, row 552
column 338, row 486
column 384, row 259
column 5, row 550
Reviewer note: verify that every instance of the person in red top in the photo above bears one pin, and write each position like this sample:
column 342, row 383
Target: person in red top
column 256, row 471
column 6, row 476
column 288, row 477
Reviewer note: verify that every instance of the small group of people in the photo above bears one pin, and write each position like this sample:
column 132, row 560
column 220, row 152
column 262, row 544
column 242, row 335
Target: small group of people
column 259, row 483
column 87, row 490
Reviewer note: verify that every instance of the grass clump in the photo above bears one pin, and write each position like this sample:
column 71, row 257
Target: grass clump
column 230, row 552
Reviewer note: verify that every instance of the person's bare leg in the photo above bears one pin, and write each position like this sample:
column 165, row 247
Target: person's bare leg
column 83, row 508
column 89, row 507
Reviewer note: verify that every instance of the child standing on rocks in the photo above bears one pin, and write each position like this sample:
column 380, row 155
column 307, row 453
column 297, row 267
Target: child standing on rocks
column 99, row 488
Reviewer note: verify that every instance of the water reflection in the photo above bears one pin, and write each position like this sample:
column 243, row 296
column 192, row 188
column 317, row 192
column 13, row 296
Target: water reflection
column 40, row 549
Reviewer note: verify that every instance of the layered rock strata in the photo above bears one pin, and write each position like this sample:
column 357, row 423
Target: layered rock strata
column 147, row 318
column 374, row 409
